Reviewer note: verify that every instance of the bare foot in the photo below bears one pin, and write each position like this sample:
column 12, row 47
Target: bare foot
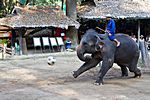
column 118, row 44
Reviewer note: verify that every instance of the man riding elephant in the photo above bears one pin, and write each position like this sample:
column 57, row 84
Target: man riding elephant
column 111, row 29
column 103, row 49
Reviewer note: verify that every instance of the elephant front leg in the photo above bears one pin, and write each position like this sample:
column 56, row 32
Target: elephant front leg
column 106, row 65
column 86, row 66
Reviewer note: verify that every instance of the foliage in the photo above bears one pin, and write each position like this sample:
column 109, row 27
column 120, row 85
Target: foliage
column 6, row 7
column 44, row 2
column 4, row 41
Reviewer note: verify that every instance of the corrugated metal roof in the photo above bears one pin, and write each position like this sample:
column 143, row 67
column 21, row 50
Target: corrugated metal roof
column 38, row 17
column 117, row 8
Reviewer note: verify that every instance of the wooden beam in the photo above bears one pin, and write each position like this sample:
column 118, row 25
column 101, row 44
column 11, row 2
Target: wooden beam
column 20, row 41
column 5, row 28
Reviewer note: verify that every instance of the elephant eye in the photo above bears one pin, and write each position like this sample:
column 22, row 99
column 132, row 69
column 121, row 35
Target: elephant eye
column 84, row 43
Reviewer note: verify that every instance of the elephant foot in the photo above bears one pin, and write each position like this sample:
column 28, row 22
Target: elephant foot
column 124, row 76
column 137, row 76
column 99, row 82
column 75, row 75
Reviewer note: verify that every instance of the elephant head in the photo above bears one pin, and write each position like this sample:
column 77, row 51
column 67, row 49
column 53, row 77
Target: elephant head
column 90, row 43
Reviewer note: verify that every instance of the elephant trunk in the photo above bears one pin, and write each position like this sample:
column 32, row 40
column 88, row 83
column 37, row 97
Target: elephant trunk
column 80, row 53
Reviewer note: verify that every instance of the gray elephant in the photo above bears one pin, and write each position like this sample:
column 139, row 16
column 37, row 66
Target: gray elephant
column 102, row 49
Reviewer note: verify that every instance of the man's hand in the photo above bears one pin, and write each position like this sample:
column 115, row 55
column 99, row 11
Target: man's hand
column 109, row 34
column 107, row 31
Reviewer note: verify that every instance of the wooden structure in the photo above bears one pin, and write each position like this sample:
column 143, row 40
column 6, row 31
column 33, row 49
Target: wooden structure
column 25, row 18
column 5, row 33
column 137, row 9
column 31, row 17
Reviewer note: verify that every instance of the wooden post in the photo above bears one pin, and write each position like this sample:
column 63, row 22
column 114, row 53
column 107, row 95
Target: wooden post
column 4, row 51
column 20, row 41
column 13, row 38
column 24, row 46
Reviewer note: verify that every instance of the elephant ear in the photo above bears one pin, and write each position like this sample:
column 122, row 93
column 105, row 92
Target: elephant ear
column 99, row 44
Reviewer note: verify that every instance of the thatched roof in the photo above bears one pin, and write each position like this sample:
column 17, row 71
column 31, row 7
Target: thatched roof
column 117, row 8
column 31, row 17
column 43, row 32
column 4, row 28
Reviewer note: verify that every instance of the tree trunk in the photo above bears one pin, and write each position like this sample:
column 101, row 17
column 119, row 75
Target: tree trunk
column 72, row 33
column 71, row 9
column 71, row 12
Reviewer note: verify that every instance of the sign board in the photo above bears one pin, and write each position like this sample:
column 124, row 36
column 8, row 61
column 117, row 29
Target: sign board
column 45, row 41
column 60, row 41
column 37, row 41
column 53, row 41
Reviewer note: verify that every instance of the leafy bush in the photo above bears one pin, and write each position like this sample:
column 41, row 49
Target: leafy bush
column 3, row 41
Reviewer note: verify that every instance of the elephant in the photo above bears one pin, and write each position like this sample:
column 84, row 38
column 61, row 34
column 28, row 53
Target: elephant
column 101, row 48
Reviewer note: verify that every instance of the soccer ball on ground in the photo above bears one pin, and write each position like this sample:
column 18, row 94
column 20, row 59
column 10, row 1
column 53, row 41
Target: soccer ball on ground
column 51, row 60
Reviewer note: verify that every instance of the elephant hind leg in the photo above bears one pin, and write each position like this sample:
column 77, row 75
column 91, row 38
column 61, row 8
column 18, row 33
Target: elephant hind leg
column 133, row 67
column 124, row 70
column 136, row 71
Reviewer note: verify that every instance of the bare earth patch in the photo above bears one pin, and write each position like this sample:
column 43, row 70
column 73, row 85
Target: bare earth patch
column 34, row 79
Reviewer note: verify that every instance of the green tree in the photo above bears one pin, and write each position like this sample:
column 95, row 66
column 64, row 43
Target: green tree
column 41, row 2
column 6, row 7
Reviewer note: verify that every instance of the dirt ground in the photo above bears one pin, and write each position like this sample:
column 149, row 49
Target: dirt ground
column 33, row 79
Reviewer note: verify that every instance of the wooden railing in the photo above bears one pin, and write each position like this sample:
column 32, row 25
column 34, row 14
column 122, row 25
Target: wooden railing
column 4, row 51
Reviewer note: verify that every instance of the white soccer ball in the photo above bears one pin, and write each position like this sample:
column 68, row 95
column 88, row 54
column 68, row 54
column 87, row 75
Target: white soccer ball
column 51, row 60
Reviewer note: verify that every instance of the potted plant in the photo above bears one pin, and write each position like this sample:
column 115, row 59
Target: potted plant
column 3, row 42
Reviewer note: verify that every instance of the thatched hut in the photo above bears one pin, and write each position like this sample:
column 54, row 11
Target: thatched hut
column 119, row 9
column 138, row 9
column 31, row 17
column 27, row 19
